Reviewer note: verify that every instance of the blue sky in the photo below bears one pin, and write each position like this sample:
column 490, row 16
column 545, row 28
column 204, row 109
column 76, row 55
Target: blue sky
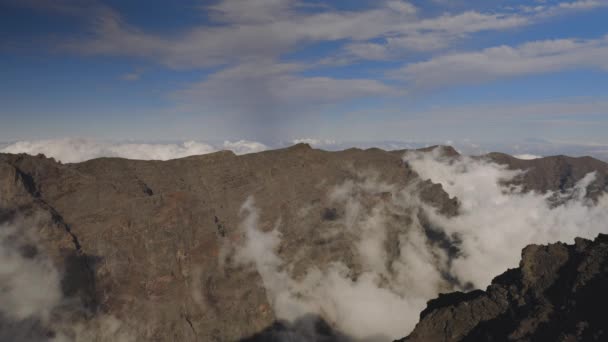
column 277, row 70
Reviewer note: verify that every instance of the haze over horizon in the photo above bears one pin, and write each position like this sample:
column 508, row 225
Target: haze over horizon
column 507, row 73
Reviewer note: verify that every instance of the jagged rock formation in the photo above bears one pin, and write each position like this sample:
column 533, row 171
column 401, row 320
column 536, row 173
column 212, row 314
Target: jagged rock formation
column 140, row 240
column 558, row 293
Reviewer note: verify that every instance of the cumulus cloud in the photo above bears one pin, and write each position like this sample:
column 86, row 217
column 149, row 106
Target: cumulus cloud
column 379, row 297
column 76, row 150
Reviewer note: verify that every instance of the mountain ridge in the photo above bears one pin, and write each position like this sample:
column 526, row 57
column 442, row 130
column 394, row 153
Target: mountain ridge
column 135, row 239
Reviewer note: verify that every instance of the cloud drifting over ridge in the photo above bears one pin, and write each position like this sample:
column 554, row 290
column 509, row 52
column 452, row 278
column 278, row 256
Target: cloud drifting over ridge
column 77, row 150
column 382, row 301
column 496, row 221
column 69, row 150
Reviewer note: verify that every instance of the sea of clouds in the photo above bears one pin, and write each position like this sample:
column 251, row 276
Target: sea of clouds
column 72, row 150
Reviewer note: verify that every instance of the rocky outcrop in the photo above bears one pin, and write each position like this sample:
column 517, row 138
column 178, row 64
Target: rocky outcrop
column 558, row 293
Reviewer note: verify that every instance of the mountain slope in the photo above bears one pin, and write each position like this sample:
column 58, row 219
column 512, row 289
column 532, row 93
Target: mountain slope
column 556, row 294
column 220, row 247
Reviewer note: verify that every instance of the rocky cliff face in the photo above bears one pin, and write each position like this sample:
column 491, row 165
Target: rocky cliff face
column 556, row 294
column 223, row 247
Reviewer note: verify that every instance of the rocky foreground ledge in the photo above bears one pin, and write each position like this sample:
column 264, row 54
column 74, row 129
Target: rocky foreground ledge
column 558, row 293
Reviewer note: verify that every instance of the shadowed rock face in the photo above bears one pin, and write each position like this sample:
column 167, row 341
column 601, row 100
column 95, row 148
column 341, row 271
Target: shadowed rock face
column 141, row 240
column 557, row 294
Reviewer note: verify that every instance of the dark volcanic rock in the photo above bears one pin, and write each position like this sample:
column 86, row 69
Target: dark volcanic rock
column 558, row 293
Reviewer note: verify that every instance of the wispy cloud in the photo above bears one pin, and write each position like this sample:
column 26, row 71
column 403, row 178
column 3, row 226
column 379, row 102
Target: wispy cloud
column 508, row 61
column 271, row 28
column 272, row 60
column 267, row 87
column 132, row 76
column 248, row 39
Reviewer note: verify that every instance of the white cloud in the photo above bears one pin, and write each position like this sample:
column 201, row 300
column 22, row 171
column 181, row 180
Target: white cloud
column 508, row 61
column 76, row 150
column 432, row 34
column 315, row 142
column 371, row 51
column 251, row 11
column 536, row 110
column 32, row 298
column 545, row 10
column 362, row 308
column 381, row 301
column 244, row 146
column 583, row 4
column 269, row 28
column 469, row 22
column 132, row 76
column 246, row 39
column 30, row 285
column 495, row 222
column 402, row 7
column 526, row 156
